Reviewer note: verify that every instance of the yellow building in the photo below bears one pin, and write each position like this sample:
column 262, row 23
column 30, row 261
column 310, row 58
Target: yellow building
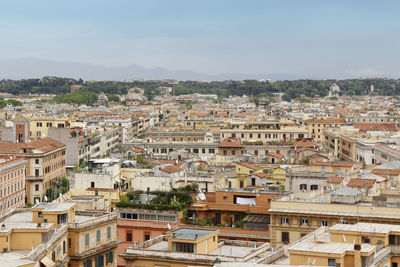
column 183, row 247
column 92, row 240
column 39, row 126
column 45, row 163
column 244, row 169
column 40, row 236
column 324, row 248
column 293, row 217
column 315, row 127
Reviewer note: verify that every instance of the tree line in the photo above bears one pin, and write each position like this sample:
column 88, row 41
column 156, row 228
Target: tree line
column 292, row 89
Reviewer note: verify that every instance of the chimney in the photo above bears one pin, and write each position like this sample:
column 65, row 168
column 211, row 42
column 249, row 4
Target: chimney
column 3, row 227
column 357, row 255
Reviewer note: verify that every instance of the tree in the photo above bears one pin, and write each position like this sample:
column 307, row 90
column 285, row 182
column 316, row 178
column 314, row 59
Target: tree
column 112, row 97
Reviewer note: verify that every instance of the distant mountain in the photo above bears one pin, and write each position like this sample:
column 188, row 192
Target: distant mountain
column 37, row 68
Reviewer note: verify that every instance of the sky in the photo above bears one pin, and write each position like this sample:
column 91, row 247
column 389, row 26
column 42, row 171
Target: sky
column 307, row 38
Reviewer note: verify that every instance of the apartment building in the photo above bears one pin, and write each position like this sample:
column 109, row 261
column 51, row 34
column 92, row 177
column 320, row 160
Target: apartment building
column 161, row 144
column 139, row 225
column 76, row 141
column 293, row 216
column 45, row 163
column 184, row 247
column 244, row 209
column 316, row 127
column 12, row 183
column 38, row 236
column 39, row 126
column 264, row 132
column 92, row 239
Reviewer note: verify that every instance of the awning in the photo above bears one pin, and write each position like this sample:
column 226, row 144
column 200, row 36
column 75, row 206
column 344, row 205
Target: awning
column 246, row 201
column 48, row 262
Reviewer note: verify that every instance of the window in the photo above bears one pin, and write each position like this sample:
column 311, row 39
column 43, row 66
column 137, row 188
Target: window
column 87, row 239
column 69, row 243
column 183, row 247
column 303, row 187
column 98, row 236
column 36, row 172
column 284, row 220
column 92, row 184
column 87, row 263
column 365, row 240
column 100, row 261
column 49, row 124
column 331, row 262
column 36, row 161
column 109, row 232
column 314, row 187
column 64, row 247
column 304, row 221
column 324, row 223
column 109, row 257
column 129, row 236
column 53, row 256
column 38, row 124
column 285, row 237
column 147, row 236
column 36, row 187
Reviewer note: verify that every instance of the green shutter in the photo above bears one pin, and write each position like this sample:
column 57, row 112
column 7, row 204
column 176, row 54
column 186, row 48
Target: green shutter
column 98, row 236
column 109, row 232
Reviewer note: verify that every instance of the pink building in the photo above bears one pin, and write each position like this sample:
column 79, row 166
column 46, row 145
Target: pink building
column 12, row 183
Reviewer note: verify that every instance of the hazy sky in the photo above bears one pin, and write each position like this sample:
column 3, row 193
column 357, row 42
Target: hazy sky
column 318, row 38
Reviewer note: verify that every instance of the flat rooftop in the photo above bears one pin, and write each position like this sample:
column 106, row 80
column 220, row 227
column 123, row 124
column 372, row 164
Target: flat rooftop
column 190, row 233
column 367, row 228
column 329, row 247
column 54, row 207
column 22, row 220
column 14, row 259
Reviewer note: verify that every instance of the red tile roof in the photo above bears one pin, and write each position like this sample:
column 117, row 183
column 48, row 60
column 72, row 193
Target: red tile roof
column 376, row 126
column 249, row 165
column 361, row 183
column 231, row 142
column 275, row 155
column 172, row 169
column 334, row 180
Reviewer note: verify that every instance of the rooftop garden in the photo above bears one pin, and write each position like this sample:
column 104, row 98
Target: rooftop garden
column 253, row 143
column 176, row 199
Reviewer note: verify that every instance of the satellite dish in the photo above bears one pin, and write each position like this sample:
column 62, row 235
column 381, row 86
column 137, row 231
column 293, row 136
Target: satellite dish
column 37, row 201
column 45, row 198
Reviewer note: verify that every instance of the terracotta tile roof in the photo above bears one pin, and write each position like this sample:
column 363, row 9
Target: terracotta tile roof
column 334, row 180
column 375, row 126
column 46, row 145
column 10, row 161
column 12, row 148
column 385, row 172
column 275, row 155
column 138, row 150
column 172, row 169
column 231, row 142
column 261, row 175
column 361, row 183
column 306, row 144
column 249, row 165
column 43, row 145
